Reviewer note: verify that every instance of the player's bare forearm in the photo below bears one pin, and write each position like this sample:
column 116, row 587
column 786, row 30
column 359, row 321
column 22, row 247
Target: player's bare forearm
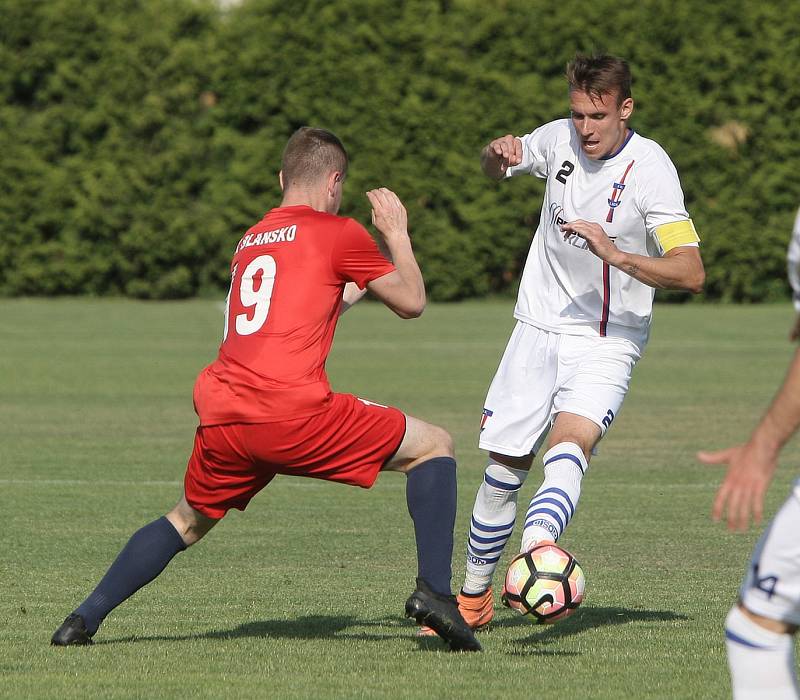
column 752, row 465
column 402, row 290
column 680, row 268
column 782, row 418
column 408, row 270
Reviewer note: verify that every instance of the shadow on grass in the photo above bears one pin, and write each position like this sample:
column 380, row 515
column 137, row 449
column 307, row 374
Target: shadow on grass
column 582, row 621
column 309, row 627
column 317, row 627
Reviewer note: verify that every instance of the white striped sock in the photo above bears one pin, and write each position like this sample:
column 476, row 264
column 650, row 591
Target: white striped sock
column 492, row 523
column 554, row 504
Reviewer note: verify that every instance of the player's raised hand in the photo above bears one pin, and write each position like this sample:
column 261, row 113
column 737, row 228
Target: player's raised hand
column 501, row 154
column 389, row 215
column 741, row 493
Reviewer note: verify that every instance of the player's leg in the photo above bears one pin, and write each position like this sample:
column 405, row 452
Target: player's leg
column 142, row 559
column 351, row 442
column 493, row 515
column 569, row 448
column 491, row 525
column 759, row 630
column 427, row 459
column 594, row 377
column 760, row 657
column 515, row 421
column 218, row 477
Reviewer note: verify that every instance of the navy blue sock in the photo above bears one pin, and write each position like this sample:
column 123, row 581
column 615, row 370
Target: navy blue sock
column 143, row 558
column 431, row 498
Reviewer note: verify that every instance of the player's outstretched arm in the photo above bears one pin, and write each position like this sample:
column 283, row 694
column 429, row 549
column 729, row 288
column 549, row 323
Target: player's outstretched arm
column 402, row 290
column 752, row 465
column 679, row 268
column 499, row 155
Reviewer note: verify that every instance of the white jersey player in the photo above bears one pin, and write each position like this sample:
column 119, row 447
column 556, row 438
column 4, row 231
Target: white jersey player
column 759, row 629
column 613, row 227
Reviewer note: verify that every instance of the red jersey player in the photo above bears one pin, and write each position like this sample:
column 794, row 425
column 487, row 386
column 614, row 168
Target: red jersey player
column 265, row 404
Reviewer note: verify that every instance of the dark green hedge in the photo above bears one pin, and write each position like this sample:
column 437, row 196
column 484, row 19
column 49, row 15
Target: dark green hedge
column 140, row 138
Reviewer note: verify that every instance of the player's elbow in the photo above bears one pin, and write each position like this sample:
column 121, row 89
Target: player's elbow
column 696, row 281
column 411, row 310
column 692, row 276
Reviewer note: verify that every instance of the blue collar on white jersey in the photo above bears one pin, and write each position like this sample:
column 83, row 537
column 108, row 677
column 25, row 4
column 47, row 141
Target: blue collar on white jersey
column 619, row 150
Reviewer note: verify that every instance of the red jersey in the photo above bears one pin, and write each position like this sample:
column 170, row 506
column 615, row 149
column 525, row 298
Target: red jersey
column 287, row 278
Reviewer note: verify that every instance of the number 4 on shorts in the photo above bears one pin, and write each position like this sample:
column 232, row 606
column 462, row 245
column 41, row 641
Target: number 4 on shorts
column 764, row 583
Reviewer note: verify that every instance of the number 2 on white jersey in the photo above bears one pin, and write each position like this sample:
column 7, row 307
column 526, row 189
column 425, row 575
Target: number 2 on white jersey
column 259, row 300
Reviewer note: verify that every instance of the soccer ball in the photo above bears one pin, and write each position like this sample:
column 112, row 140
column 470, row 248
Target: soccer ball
column 546, row 583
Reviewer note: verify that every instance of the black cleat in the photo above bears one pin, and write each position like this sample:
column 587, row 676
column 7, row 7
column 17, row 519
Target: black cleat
column 440, row 613
column 72, row 632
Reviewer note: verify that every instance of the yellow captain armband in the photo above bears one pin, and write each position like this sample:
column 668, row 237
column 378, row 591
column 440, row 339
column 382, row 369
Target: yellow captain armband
column 677, row 233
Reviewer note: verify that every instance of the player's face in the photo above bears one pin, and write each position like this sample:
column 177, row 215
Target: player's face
column 601, row 123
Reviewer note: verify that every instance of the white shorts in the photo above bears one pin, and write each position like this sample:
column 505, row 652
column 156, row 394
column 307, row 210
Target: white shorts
column 772, row 585
column 542, row 374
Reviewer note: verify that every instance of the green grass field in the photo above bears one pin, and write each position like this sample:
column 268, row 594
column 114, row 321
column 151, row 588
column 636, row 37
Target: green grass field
column 302, row 595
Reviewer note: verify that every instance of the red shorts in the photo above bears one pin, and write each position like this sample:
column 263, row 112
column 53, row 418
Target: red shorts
column 349, row 442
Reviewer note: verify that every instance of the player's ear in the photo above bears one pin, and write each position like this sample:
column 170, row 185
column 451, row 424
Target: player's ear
column 280, row 179
column 626, row 108
column 333, row 179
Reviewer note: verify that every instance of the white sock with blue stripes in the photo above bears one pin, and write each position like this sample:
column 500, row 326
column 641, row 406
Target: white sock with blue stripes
column 554, row 504
column 493, row 517
column 761, row 661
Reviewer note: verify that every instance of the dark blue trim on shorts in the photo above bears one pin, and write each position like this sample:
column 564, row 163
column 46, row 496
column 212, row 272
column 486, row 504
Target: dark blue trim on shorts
column 744, row 642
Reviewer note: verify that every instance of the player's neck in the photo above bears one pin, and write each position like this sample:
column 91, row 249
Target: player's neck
column 305, row 198
column 620, row 144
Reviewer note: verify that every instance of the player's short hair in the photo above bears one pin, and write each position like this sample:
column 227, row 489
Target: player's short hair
column 311, row 154
column 600, row 75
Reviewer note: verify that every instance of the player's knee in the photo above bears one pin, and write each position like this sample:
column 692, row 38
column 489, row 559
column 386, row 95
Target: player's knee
column 585, row 443
column 193, row 534
column 191, row 525
column 767, row 623
column 523, row 462
column 442, row 443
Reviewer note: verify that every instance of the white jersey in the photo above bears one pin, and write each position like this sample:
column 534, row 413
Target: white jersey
column 635, row 195
column 793, row 263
